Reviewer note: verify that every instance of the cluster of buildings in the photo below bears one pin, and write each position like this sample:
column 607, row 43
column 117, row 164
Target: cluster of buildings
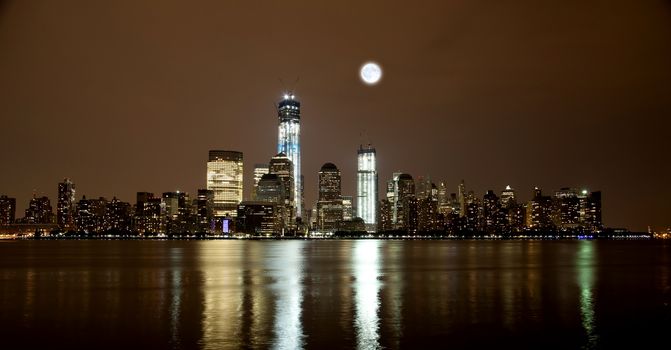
column 277, row 208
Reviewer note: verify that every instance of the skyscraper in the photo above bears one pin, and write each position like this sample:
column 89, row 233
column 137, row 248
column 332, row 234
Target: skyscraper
column 7, row 210
column 400, row 189
column 347, row 212
column 443, row 199
column 491, row 213
column 566, row 208
column 590, row 210
column 39, row 211
column 118, row 215
column 224, row 178
column 329, row 206
column 90, row 217
column 149, row 214
column 508, row 197
column 366, row 190
column 329, row 182
column 462, row 199
column 289, row 143
column 204, row 211
column 539, row 210
column 259, row 171
column 281, row 166
column 65, row 209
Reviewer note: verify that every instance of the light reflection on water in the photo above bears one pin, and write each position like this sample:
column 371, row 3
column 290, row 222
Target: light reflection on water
column 366, row 266
column 585, row 265
column 367, row 294
column 285, row 266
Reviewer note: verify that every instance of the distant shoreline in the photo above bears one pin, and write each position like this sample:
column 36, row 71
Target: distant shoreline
column 640, row 236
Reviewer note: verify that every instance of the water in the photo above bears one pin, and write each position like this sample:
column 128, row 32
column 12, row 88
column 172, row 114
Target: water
column 364, row 294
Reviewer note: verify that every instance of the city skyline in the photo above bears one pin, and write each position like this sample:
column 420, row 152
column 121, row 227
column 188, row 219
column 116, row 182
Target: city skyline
column 245, row 194
column 537, row 95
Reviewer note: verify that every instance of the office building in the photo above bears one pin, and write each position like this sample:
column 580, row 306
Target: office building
column 400, row 189
column 39, row 211
column 329, row 205
column 347, row 208
column 492, row 213
column 384, row 221
column 259, row 171
column 443, row 197
column 7, row 210
column 257, row 218
column 590, row 210
column 461, row 193
column 367, row 187
column 205, row 211
column 149, row 214
column 289, row 143
column 508, row 198
column 118, row 216
column 90, row 215
column 224, row 179
column 65, row 207
column 566, row 209
column 539, row 211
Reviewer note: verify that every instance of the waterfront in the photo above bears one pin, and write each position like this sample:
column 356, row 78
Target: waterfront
column 334, row 294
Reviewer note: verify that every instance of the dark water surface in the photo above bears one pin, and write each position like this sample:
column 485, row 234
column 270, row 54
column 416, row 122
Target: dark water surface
column 363, row 294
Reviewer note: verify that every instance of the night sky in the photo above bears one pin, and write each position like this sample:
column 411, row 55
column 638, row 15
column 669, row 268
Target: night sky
column 127, row 96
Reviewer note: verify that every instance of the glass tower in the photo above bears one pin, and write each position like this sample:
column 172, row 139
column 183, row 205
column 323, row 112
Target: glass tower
column 289, row 142
column 366, row 191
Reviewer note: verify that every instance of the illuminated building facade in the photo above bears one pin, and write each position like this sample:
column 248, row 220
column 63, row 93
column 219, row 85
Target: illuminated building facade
column 539, row 211
column 271, row 189
column 90, row 216
column 149, row 214
column 566, row 208
column 7, row 210
column 259, row 171
column 177, row 212
column 289, row 143
column 427, row 213
column 329, row 205
column 461, row 193
column 384, row 222
column 508, row 197
column 65, row 207
column 224, row 178
column 590, row 210
column 118, row 215
column 205, row 211
column 39, row 211
column 443, row 197
column 257, row 218
column 347, row 208
column 366, row 179
column 492, row 214
column 400, row 191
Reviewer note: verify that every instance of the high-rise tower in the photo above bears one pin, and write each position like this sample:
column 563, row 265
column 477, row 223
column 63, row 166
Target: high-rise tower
column 259, row 171
column 329, row 205
column 65, row 210
column 366, row 188
column 289, row 142
column 224, row 178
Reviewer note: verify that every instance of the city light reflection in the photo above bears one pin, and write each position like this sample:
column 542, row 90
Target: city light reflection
column 366, row 267
column 585, row 265
column 285, row 266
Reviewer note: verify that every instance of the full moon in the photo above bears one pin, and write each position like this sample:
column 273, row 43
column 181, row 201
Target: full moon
column 371, row 73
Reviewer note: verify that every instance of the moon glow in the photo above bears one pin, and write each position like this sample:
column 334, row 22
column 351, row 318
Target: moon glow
column 371, row 73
